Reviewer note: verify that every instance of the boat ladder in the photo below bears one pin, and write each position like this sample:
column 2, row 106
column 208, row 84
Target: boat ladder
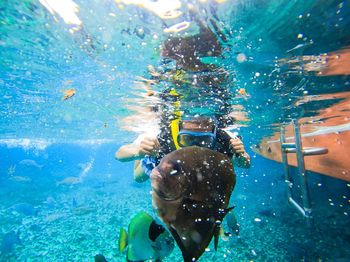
column 286, row 148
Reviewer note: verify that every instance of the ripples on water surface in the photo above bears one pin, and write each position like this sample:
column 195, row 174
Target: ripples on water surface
column 107, row 45
column 285, row 60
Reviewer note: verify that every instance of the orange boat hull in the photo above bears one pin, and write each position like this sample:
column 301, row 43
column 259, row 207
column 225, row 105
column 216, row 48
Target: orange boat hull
column 330, row 129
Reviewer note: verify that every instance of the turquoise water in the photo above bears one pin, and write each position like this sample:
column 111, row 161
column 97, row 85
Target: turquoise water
column 45, row 140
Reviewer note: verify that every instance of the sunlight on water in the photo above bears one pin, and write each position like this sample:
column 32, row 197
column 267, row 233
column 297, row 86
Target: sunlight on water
column 66, row 9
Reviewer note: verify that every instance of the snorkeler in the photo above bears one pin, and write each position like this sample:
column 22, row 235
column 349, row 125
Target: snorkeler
column 190, row 80
column 147, row 151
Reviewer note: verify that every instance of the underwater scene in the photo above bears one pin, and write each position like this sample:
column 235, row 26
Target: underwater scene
column 175, row 130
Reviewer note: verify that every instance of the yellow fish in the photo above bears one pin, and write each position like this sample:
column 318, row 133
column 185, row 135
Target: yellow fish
column 68, row 93
column 242, row 92
column 145, row 239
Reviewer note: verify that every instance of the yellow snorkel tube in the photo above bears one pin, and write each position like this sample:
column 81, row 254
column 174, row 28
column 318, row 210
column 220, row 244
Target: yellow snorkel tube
column 174, row 124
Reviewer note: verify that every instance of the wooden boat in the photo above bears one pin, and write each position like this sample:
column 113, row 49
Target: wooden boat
column 329, row 129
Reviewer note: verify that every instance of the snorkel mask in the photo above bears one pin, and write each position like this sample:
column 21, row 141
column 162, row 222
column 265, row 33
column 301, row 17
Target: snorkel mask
column 198, row 132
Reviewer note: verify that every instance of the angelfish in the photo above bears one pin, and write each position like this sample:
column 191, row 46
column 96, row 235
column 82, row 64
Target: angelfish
column 146, row 239
column 191, row 188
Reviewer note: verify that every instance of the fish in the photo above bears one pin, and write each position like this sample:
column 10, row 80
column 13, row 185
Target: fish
column 30, row 163
column 146, row 239
column 68, row 93
column 232, row 224
column 191, row 188
column 267, row 212
column 100, row 258
column 24, row 209
column 83, row 210
column 71, row 180
column 74, row 202
column 54, row 217
column 9, row 241
column 242, row 92
column 20, row 178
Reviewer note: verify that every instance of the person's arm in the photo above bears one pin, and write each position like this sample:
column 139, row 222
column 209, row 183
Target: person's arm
column 139, row 173
column 128, row 153
column 148, row 146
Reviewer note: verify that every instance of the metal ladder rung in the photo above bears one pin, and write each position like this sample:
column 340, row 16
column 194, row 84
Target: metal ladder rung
column 288, row 145
column 309, row 151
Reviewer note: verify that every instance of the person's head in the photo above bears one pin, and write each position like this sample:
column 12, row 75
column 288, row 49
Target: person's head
column 197, row 131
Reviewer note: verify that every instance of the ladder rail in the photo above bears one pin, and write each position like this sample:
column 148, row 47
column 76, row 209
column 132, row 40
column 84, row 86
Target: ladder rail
column 302, row 174
column 306, row 208
column 284, row 156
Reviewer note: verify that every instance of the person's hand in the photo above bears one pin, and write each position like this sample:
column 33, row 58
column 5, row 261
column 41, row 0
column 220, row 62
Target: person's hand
column 149, row 146
column 241, row 156
column 236, row 146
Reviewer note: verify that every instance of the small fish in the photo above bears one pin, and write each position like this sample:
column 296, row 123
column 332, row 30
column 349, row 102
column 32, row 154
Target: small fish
column 9, row 241
column 71, row 180
column 145, row 239
column 53, row 217
column 68, row 93
column 100, row 258
column 83, row 210
column 24, row 209
column 20, row 178
column 74, row 203
column 267, row 212
column 30, row 163
column 232, row 224
column 242, row 92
